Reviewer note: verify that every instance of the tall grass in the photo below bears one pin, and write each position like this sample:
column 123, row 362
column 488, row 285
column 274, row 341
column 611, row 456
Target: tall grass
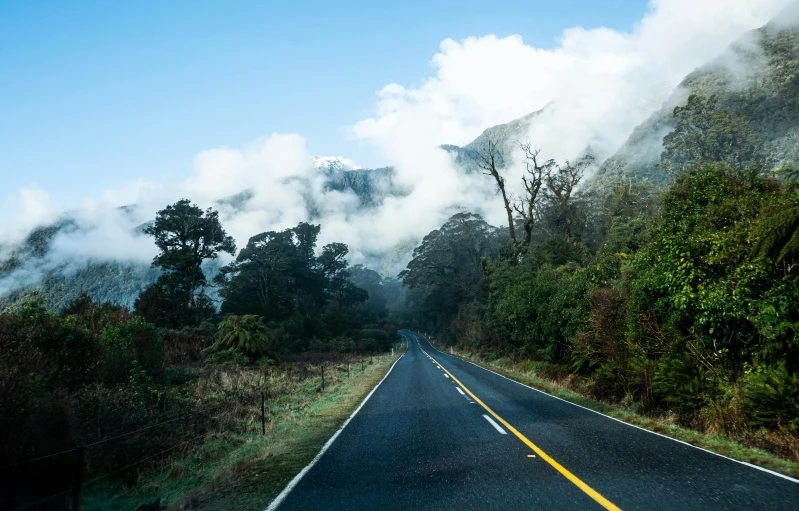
column 232, row 464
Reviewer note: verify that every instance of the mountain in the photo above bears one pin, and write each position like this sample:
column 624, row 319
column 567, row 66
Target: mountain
column 756, row 78
column 370, row 185
column 504, row 135
column 332, row 164
column 28, row 266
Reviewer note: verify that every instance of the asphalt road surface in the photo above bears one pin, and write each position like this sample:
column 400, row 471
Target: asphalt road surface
column 442, row 433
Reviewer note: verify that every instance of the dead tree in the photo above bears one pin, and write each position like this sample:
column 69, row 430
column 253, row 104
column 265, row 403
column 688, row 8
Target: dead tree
column 488, row 162
column 543, row 181
column 536, row 174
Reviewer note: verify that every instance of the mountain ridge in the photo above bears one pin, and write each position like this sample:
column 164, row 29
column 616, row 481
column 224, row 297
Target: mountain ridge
column 756, row 77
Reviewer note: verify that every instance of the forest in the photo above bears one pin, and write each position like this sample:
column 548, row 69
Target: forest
column 678, row 302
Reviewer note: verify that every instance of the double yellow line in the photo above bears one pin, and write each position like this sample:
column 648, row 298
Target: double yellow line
column 602, row 501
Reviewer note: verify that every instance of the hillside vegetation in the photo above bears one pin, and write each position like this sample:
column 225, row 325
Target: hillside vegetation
column 674, row 291
column 757, row 78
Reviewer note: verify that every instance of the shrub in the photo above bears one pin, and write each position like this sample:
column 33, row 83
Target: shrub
column 682, row 384
column 372, row 340
column 184, row 346
column 142, row 385
column 134, row 340
column 771, row 397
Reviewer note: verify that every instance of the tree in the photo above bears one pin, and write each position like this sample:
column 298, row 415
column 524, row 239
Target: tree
column 278, row 276
column 527, row 206
column 335, row 270
column 372, row 283
column 703, row 133
column 446, row 267
column 489, row 159
column 261, row 279
column 561, row 184
column 186, row 236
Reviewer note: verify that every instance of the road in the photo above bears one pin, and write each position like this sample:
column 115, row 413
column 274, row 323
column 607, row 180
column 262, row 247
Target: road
column 442, row 433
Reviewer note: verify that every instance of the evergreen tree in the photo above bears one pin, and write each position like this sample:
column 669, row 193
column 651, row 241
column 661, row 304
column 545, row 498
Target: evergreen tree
column 187, row 236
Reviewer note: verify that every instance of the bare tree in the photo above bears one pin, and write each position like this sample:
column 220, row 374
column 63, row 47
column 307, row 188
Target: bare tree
column 536, row 174
column 488, row 162
column 543, row 181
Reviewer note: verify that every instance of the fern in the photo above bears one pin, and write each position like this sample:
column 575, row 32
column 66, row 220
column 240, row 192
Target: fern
column 779, row 232
column 242, row 335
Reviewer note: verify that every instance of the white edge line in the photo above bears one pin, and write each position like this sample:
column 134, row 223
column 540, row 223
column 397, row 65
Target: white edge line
column 762, row 469
column 459, row 390
column 294, row 482
column 496, row 426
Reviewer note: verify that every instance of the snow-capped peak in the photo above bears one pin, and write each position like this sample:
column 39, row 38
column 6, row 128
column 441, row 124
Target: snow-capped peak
column 333, row 163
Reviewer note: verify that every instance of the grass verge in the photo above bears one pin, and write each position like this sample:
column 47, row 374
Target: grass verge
column 241, row 469
column 716, row 442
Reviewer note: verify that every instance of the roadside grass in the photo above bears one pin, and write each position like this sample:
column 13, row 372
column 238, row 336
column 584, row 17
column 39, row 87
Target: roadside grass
column 716, row 442
column 235, row 466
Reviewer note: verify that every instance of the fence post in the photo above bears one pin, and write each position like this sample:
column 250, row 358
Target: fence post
column 348, row 369
column 263, row 413
column 323, row 377
column 80, row 462
column 362, row 369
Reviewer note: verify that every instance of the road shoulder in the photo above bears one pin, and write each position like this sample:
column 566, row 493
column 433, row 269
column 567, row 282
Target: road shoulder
column 716, row 443
column 256, row 483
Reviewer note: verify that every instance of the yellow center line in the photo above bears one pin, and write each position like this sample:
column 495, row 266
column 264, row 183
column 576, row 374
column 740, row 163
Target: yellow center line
column 602, row 501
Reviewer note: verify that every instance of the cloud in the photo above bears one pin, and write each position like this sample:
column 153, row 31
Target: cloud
column 600, row 83
column 22, row 212
column 597, row 85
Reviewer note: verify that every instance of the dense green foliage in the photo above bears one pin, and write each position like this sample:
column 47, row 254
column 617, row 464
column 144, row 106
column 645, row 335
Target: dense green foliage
column 45, row 354
column 445, row 269
column 307, row 301
column 187, row 236
column 238, row 338
column 683, row 302
column 704, row 133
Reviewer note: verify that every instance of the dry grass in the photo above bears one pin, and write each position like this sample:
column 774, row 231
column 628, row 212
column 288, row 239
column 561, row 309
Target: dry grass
column 235, row 466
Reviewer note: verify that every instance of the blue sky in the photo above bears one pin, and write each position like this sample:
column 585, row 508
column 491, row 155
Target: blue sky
column 94, row 94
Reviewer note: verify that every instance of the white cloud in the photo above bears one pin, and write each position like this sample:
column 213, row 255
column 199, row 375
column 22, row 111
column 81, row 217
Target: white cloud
column 22, row 212
column 601, row 82
column 598, row 82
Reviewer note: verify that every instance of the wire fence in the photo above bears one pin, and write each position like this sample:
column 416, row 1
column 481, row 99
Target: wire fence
column 78, row 454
